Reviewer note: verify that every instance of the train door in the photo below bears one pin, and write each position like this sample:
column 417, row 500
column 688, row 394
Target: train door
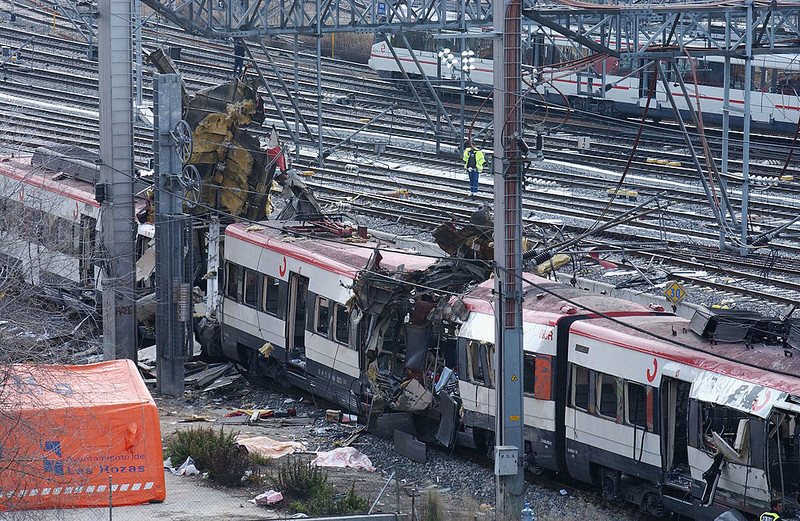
column 86, row 250
column 296, row 319
column 675, row 429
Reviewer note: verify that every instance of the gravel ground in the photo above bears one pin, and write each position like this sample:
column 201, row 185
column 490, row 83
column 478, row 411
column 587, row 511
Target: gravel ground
column 465, row 488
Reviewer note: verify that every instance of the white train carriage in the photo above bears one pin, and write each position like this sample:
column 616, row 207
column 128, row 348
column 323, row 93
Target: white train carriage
column 48, row 225
column 608, row 86
column 49, row 228
column 545, row 318
column 641, row 405
column 285, row 307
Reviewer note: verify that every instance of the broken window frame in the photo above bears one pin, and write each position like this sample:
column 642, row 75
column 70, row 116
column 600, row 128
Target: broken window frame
column 271, row 296
column 785, row 457
column 322, row 325
column 730, row 433
column 480, row 362
column 251, row 282
column 587, row 399
column 642, row 402
column 529, row 374
column 341, row 324
column 607, row 386
column 232, row 281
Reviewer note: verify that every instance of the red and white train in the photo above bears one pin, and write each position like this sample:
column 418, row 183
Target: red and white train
column 624, row 396
column 608, row 86
column 688, row 416
column 50, row 226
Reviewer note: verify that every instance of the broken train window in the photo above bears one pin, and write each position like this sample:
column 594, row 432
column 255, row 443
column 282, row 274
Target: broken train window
column 232, row 280
column 323, row 316
column 580, row 387
column 529, row 374
column 728, row 430
column 636, row 405
column 783, row 451
column 250, row 287
column 608, row 402
column 342, row 324
column 480, row 358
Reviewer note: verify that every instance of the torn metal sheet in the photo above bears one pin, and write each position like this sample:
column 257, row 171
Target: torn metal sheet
column 737, row 394
column 416, row 347
column 448, row 408
column 414, row 398
column 409, row 446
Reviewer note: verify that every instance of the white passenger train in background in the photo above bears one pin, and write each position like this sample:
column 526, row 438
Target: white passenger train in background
column 606, row 85
column 624, row 396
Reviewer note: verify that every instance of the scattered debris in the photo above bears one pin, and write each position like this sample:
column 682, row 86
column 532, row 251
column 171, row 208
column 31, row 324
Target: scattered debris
column 186, row 469
column 206, row 377
column 351, row 438
column 270, row 497
column 267, row 447
column 343, row 457
column 197, row 418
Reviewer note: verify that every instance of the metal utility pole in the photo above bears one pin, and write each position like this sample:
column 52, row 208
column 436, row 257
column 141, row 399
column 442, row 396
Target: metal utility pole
column 171, row 148
column 508, row 175
column 137, row 20
column 748, row 85
column 115, row 191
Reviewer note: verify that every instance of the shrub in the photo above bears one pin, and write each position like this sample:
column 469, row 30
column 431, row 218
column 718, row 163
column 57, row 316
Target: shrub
column 307, row 489
column 433, row 506
column 299, row 480
column 212, row 451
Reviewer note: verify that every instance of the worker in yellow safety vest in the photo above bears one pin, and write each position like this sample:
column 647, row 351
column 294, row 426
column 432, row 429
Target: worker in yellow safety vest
column 473, row 164
column 776, row 507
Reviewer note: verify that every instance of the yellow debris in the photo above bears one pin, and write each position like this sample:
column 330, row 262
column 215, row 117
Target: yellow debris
column 558, row 260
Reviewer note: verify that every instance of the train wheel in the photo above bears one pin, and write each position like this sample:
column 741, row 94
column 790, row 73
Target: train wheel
column 609, row 485
column 652, row 504
column 484, row 441
column 607, row 108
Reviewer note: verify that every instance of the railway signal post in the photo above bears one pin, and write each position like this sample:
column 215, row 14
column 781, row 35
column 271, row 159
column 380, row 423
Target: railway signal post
column 508, row 178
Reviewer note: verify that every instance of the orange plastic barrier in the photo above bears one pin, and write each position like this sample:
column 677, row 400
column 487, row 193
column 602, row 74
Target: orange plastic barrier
column 64, row 430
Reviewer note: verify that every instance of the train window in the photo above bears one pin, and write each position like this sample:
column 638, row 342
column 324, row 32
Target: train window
column 636, row 405
column 321, row 325
column 722, row 424
column 481, row 364
column 529, row 374
column 580, row 388
column 342, row 324
column 608, row 395
column 272, row 290
column 250, row 287
column 232, row 281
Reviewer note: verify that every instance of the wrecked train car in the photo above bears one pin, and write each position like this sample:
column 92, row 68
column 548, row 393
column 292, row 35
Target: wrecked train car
column 694, row 417
column 349, row 320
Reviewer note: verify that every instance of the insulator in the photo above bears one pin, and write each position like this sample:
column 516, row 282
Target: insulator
column 351, row 169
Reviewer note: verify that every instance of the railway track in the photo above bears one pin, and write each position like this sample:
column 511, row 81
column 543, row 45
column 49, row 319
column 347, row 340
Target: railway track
column 438, row 191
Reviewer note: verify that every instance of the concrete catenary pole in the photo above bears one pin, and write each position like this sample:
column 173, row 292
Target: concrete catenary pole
column 170, row 137
column 115, row 190
column 508, row 174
